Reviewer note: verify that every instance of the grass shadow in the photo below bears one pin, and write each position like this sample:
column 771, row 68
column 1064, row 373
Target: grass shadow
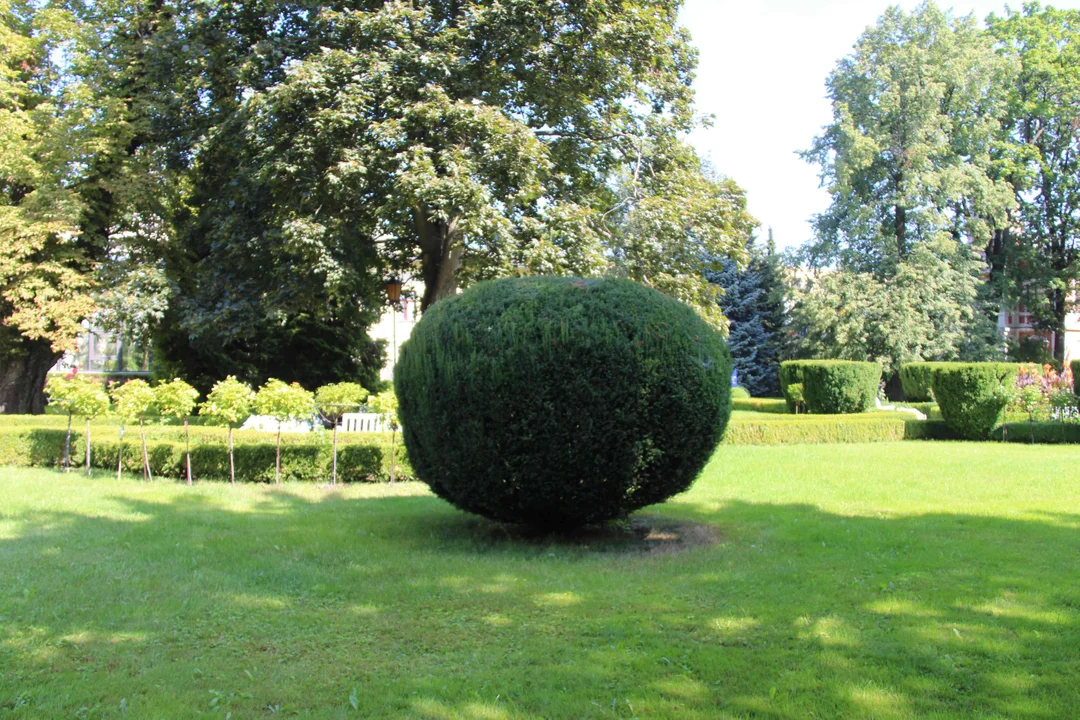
column 174, row 603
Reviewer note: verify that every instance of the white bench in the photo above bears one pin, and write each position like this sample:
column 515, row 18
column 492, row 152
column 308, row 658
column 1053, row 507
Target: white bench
column 265, row 423
column 363, row 422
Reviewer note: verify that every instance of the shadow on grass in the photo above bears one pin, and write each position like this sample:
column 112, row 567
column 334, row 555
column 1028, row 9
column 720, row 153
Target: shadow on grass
column 404, row 607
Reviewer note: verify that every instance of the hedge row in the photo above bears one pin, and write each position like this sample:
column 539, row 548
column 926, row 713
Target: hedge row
column 791, row 373
column 803, row 429
column 830, row 387
column 973, row 396
column 357, row 461
column 108, row 428
column 762, row 405
column 836, row 387
column 917, row 378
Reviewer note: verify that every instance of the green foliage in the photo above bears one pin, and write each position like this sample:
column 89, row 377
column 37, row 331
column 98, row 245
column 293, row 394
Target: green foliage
column 917, row 380
column 284, row 401
column 77, row 395
column 1074, row 367
column 385, row 404
column 838, row 387
column 804, row 429
column 175, row 399
column 921, row 308
column 907, row 157
column 740, row 393
column 336, row 399
column 558, row 402
column 790, row 375
column 229, row 402
column 753, row 303
column 761, row 405
column 304, row 458
column 133, row 400
column 973, row 396
column 1038, row 265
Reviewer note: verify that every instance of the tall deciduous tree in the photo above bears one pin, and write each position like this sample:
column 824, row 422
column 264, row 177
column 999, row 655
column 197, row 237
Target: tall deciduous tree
column 464, row 140
column 925, row 311
column 909, row 156
column 1038, row 264
column 76, row 181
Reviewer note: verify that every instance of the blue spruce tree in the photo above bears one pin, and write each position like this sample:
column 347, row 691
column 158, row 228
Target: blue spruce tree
column 753, row 303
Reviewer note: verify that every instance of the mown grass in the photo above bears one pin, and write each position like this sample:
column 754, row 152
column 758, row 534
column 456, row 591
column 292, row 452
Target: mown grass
column 895, row 580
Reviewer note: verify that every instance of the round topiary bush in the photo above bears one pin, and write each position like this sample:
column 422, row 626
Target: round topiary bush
column 740, row 393
column 560, row 402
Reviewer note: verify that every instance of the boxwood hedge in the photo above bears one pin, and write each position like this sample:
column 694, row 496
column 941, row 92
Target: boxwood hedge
column 559, row 402
column 972, row 397
column 837, row 387
column 791, row 373
column 916, row 379
column 359, row 459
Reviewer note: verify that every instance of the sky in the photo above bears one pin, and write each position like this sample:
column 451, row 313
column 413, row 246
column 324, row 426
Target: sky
column 761, row 74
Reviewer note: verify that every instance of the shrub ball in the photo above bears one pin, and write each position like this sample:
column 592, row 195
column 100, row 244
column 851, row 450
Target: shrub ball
column 560, row 402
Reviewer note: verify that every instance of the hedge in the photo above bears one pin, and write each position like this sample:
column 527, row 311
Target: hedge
column 560, row 402
column 762, row 405
column 972, row 396
column 804, row 429
column 1042, row 433
column 791, row 373
column 837, row 387
column 358, row 460
column 1075, row 367
column 917, row 378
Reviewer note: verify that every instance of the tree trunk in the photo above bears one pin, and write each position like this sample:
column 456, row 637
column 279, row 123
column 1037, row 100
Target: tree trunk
column 23, row 371
column 277, row 460
column 187, row 451
column 88, row 447
column 1060, row 306
column 232, row 465
column 900, row 228
column 67, row 446
column 393, row 456
column 147, row 474
column 440, row 255
column 333, row 480
column 120, row 454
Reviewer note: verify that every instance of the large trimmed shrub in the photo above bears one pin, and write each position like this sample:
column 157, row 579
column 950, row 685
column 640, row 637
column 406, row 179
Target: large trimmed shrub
column 839, row 387
column 972, row 397
column 791, row 374
column 916, row 379
column 559, row 402
column 1075, row 367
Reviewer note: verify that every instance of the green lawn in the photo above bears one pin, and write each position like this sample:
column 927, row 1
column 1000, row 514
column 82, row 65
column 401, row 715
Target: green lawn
column 878, row 581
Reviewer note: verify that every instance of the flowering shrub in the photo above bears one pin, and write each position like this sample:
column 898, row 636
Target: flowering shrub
column 1043, row 394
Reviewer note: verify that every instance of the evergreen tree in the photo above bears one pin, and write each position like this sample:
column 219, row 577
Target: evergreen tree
column 753, row 304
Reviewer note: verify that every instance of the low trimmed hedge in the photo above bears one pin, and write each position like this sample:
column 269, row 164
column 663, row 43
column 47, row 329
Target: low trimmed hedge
column 840, row 387
column 762, row 405
column 1039, row 433
column 358, row 459
column 807, row 429
column 917, row 380
column 972, row 397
